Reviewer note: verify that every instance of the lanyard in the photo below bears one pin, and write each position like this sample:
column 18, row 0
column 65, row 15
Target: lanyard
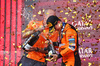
column 61, row 35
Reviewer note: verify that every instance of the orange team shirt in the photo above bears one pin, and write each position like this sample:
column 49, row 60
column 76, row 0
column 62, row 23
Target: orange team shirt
column 35, row 55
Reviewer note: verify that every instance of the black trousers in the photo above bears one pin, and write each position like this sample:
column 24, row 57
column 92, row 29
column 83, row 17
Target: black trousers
column 30, row 62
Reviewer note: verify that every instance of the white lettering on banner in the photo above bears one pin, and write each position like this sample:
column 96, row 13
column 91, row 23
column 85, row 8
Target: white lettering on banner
column 85, row 52
column 82, row 25
column 88, row 55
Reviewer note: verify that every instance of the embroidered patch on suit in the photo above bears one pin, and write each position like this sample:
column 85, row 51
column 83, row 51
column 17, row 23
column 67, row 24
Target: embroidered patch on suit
column 72, row 43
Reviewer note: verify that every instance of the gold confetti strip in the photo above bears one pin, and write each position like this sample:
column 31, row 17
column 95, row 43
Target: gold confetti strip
column 89, row 16
column 15, row 51
column 20, row 64
column 99, row 15
column 83, row 39
column 9, row 63
column 34, row 15
column 69, row 9
column 74, row 12
column 39, row 12
column 94, row 1
column 86, row 15
column 73, row 17
column 54, row 0
column 47, row 13
column 84, row 59
column 43, row 10
column 61, row 11
column 40, row 26
column 32, row 7
column 13, row 43
column 58, row 7
column 6, row 58
column 48, row 59
column 82, row 17
column 88, row 4
column 19, row 46
column 86, row 24
column 66, row 21
column 94, row 29
column 76, row 29
column 23, row 31
column 89, row 64
column 64, row 18
column 66, row 12
column 2, row 37
column 44, row 31
column 68, row 2
column 74, row 0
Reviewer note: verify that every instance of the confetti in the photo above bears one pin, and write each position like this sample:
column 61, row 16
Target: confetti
column 89, row 16
column 61, row 11
column 39, row 12
column 88, row 4
column 6, row 58
column 74, row 12
column 43, row 10
column 34, row 15
column 73, row 17
column 48, row 59
column 84, row 59
column 89, row 64
column 15, row 51
column 2, row 37
column 32, row 7
column 82, row 17
column 66, row 12
column 54, row 0
column 20, row 64
column 65, row 20
column 74, row 0
column 44, row 31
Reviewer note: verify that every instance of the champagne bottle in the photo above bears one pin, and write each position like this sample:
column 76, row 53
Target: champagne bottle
column 31, row 41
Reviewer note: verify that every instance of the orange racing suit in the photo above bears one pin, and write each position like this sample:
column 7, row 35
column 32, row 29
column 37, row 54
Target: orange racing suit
column 69, row 46
column 35, row 55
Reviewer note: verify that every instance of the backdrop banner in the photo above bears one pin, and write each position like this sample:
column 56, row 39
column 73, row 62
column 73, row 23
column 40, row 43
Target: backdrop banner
column 84, row 15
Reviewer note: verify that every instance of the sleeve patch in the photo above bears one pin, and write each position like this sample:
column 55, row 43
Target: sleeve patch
column 72, row 41
column 72, row 47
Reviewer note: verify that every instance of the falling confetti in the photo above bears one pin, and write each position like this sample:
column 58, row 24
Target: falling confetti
column 39, row 12
column 74, row 0
column 32, row 7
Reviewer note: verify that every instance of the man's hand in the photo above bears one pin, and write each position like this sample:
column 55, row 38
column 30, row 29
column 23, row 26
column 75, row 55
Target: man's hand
column 54, row 58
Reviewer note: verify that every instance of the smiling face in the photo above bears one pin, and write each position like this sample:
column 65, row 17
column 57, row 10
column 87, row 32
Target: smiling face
column 58, row 26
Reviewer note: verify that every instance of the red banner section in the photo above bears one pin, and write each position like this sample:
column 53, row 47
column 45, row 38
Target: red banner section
column 10, row 32
column 2, row 24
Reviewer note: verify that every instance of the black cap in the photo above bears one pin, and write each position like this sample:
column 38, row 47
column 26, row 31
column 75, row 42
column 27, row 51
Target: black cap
column 51, row 22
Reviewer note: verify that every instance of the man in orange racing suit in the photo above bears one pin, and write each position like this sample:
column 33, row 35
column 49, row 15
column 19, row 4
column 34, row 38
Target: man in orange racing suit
column 36, row 56
column 68, row 47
